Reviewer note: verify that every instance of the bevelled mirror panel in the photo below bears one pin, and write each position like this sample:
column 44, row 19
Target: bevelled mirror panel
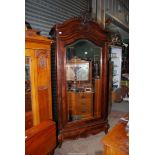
column 83, row 80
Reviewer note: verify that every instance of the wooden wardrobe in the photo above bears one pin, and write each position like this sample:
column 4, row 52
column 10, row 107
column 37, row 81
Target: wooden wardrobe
column 80, row 52
column 40, row 129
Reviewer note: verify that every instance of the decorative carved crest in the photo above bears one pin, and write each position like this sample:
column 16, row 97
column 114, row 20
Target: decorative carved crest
column 42, row 52
column 30, row 33
column 85, row 17
column 116, row 39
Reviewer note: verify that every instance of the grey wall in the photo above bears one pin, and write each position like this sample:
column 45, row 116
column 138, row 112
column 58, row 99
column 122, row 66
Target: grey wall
column 43, row 14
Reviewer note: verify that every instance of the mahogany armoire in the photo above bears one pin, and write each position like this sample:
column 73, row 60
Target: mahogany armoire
column 79, row 78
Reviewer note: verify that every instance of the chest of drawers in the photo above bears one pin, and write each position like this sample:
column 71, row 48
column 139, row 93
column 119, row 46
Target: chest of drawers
column 80, row 104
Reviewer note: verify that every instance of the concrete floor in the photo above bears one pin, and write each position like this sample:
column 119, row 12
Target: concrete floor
column 92, row 145
column 122, row 106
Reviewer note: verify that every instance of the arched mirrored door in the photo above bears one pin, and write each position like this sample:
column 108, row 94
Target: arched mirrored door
column 83, row 75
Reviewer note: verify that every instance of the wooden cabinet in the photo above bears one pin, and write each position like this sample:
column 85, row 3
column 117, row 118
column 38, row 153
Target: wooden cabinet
column 38, row 55
column 80, row 78
column 41, row 139
column 80, row 105
column 38, row 104
column 116, row 142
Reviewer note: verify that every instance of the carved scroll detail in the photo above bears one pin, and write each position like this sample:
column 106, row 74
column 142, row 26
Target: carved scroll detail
column 42, row 52
column 42, row 56
column 85, row 17
column 42, row 61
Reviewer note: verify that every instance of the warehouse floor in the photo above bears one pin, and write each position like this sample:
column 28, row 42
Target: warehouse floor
column 92, row 145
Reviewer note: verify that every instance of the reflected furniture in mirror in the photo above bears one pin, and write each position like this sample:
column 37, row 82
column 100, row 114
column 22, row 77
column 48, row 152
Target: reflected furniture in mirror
column 80, row 84
column 40, row 129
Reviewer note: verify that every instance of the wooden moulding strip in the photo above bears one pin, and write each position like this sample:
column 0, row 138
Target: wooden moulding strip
column 97, row 105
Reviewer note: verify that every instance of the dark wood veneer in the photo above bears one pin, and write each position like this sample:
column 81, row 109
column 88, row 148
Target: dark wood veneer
column 65, row 34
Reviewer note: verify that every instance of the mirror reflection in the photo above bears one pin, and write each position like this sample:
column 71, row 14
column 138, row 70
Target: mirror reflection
column 28, row 101
column 83, row 69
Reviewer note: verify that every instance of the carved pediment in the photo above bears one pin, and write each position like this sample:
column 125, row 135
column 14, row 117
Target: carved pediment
column 84, row 17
